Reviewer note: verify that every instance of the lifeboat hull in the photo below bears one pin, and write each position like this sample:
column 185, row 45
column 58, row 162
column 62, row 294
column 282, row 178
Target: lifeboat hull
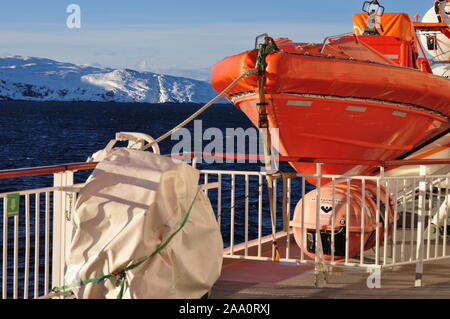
column 336, row 76
column 331, row 127
column 325, row 107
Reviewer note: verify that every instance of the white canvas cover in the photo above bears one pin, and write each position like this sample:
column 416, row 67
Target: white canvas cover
column 131, row 204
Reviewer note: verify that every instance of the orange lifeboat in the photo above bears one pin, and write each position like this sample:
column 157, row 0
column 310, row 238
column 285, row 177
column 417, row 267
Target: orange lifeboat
column 356, row 96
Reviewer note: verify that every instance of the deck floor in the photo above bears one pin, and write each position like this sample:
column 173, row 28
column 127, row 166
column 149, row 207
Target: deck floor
column 247, row 279
column 269, row 280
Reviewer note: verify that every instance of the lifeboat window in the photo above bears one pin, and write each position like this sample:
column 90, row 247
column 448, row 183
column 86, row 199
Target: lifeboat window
column 398, row 113
column 300, row 103
column 356, row 109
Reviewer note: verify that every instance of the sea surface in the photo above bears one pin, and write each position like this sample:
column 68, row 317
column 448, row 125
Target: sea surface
column 44, row 134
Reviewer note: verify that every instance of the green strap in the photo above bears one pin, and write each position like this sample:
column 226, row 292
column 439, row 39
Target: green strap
column 122, row 287
column 264, row 51
column 122, row 272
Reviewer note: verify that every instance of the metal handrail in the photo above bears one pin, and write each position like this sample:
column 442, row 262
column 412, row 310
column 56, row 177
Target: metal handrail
column 259, row 37
column 35, row 171
column 244, row 187
column 45, row 170
column 327, row 39
column 313, row 160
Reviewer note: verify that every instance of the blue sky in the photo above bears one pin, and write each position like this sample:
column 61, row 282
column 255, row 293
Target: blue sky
column 171, row 36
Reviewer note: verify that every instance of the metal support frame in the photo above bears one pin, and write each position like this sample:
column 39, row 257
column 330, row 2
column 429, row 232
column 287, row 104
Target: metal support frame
column 62, row 226
column 320, row 269
column 420, row 227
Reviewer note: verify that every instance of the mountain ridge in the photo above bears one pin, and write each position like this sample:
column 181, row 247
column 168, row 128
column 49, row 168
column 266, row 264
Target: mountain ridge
column 40, row 79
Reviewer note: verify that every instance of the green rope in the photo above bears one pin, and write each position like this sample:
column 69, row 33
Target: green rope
column 264, row 51
column 133, row 266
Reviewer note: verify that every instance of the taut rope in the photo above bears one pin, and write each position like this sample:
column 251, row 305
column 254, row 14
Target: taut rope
column 203, row 108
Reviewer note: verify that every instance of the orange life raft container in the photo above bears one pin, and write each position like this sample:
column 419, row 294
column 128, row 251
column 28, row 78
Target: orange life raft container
column 361, row 223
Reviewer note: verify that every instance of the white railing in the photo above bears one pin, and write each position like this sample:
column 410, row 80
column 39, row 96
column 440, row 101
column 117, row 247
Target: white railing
column 34, row 243
column 415, row 205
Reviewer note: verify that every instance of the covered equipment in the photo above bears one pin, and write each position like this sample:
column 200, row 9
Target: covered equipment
column 137, row 204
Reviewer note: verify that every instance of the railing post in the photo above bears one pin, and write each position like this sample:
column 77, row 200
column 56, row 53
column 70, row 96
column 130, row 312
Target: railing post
column 319, row 268
column 5, row 251
column 62, row 226
column 420, row 227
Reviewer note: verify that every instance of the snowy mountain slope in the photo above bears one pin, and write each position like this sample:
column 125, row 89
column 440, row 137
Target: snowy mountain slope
column 38, row 79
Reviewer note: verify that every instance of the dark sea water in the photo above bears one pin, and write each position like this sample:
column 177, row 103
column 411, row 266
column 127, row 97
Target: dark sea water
column 44, row 134
column 38, row 134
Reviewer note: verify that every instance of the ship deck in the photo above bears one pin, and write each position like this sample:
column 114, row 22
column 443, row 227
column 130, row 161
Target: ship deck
column 248, row 279
column 268, row 280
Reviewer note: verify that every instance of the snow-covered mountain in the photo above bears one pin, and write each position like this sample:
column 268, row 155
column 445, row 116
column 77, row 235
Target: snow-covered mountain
column 38, row 79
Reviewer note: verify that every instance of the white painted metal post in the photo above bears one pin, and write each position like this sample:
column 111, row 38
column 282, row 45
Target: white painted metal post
column 446, row 209
column 37, row 224
column 420, row 227
column 347, row 223
column 260, row 210
column 62, row 228
column 219, row 200
column 303, row 238
column 363, row 215
column 16, row 258
column 27, row 247
column 333, row 217
column 232, row 210
column 5, row 251
column 319, row 261
column 318, row 242
column 413, row 214
column 394, row 235
column 386, row 224
column 47, row 243
column 288, row 213
column 402, row 249
column 246, row 214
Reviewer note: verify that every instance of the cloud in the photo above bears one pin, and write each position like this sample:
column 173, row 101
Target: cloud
column 201, row 74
